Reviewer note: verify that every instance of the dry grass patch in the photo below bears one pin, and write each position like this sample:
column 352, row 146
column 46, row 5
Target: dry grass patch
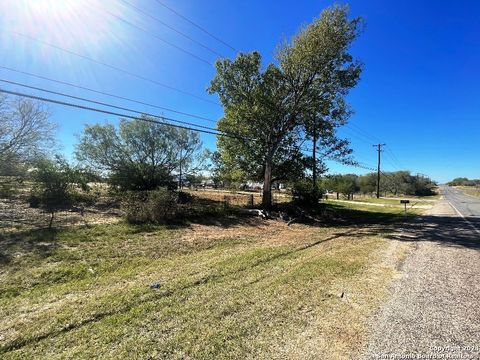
column 470, row 190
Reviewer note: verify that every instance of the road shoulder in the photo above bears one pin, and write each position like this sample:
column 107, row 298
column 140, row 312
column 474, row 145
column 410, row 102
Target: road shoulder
column 432, row 309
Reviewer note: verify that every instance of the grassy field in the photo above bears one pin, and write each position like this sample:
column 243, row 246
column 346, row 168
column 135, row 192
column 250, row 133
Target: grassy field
column 229, row 288
column 415, row 202
column 470, row 190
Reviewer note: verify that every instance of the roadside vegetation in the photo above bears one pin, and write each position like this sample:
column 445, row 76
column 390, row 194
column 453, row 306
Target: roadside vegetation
column 464, row 182
column 400, row 183
column 470, row 190
column 227, row 287
column 469, row 187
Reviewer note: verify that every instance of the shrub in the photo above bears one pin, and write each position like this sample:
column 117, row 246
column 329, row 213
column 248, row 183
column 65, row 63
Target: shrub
column 304, row 193
column 34, row 201
column 154, row 206
column 425, row 191
column 184, row 197
column 56, row 186
column 83, row 199
column 53, row 187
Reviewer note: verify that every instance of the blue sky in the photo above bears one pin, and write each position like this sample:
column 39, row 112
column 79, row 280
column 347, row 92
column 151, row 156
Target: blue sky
column 418, row 93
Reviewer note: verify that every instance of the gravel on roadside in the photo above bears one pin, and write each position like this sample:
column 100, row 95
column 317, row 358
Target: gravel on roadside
column 433, row 311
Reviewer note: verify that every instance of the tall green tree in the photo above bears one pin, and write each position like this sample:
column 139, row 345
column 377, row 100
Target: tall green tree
column 342, row 184
column 368, row 183
column 319, row 57
column 268, row 109
column 140, row 155
column 398, row 183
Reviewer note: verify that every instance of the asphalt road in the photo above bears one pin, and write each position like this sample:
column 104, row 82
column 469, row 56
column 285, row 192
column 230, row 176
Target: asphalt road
column 468, row 206
column 433, row 310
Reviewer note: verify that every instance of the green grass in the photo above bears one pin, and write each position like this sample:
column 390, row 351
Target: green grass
column 254, row 292
column 415, row 201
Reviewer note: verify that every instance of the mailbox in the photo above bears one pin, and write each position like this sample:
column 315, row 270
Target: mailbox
column 405, row 202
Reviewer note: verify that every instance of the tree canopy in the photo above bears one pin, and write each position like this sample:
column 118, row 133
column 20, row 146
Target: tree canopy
column 270, row 110
column 140, row 155
column 344, row 184
column 397, row 183
column 26, row 133
column 463, row 181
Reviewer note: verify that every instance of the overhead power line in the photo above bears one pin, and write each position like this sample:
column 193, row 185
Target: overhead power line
column 103, row 111
column 196, row 25
column 394, row 158
column 103, row 104
column 356, row 165
column 124, row 71
column 139, row 10
column 106, row 94
column 179, row 48
column 343, row 162
column 352, row 135
column 363, row 132
column 392, row 165
column 200, row 128
column 366, row 135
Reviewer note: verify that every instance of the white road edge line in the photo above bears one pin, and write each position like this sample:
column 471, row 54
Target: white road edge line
column 464, row 218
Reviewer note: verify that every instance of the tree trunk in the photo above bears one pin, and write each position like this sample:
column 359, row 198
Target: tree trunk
column 180, row 179
column 267, row 184
column 51, row 220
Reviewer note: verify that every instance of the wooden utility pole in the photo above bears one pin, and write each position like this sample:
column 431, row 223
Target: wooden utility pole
column 379, row 149
column 314, row 157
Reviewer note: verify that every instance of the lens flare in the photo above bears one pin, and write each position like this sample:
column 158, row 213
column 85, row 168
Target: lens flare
column 74, row 24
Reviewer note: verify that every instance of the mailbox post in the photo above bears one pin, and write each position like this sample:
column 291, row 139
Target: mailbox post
column 405, row 202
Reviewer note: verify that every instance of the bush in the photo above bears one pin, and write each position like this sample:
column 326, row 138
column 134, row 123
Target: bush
column 304, row 192
column 53, row 187
column 83, row 199
column 34, row 201
column 184, row 197
column 56, row 184
column 154, row 206
column 425, row 191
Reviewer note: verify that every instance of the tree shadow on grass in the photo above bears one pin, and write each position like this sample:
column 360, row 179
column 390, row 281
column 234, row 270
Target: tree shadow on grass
column 443, row 229
column 337, row 215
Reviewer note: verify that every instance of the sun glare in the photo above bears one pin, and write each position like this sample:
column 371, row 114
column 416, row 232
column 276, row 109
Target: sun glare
column 70, row 23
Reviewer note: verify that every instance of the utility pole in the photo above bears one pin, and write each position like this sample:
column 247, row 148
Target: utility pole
column 314, row 156
column 379, row 149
